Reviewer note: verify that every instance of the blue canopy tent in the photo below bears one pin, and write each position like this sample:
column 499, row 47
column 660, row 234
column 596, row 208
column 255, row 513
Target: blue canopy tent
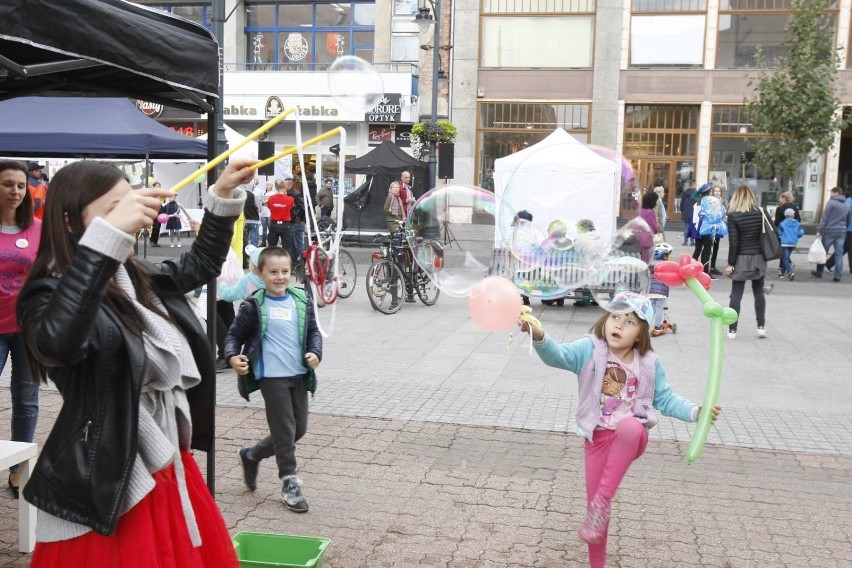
column 88, row 126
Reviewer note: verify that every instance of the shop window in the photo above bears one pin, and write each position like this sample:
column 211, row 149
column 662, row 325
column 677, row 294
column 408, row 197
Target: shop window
column 667, row 40
column 507, row 127
column 198, row 12
column 521, row 42
column 669, row 6
column 744, row 27
column 284, row 35
column 538, row 6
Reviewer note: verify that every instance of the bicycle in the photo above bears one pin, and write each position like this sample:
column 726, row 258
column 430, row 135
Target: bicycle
column 394, row 277
column 321, row 268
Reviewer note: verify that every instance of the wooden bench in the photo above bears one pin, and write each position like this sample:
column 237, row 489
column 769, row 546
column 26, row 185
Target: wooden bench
column 24, row 455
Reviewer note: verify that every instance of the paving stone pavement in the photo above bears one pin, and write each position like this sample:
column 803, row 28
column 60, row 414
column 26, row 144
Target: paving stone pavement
column 399, row 493
column 432, row 443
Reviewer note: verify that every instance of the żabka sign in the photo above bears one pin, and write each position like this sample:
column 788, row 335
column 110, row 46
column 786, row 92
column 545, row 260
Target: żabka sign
column 153, row 110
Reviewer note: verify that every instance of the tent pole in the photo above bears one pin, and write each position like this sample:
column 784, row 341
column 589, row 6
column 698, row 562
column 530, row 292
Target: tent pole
column 212, row 152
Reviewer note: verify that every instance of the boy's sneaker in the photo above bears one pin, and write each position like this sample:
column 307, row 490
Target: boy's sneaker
column 761, row 331
column 250, row 467
column 791, row 275
column 782, row 276
column 595, row 526
column 731, row 333
column 291, row 494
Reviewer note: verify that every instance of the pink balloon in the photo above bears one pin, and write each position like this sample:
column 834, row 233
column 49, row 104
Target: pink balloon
column 495, row 304
column 162, row 218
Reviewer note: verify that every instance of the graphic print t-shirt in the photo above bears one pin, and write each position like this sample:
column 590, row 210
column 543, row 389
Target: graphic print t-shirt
column 618, row 393
column 17, row 253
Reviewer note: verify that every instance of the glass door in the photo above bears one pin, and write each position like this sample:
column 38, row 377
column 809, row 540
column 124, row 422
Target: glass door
column 659, row 174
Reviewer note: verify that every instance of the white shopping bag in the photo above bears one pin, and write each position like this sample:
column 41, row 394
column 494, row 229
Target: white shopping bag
column 816, row 254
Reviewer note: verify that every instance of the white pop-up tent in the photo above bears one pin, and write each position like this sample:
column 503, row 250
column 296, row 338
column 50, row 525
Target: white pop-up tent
column 557, row 179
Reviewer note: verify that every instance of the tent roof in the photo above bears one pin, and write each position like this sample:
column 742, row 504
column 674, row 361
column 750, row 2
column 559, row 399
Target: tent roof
column 84, row 126
column 386, row 159
column 106, row 46
column 558, row 150
column 249, row 150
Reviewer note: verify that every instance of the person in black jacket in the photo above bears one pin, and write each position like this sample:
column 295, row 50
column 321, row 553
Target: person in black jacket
column 275, row 345
column 117, row 336
column 745, row 257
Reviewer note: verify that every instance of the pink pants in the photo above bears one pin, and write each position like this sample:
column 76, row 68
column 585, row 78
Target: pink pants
column 607, row 461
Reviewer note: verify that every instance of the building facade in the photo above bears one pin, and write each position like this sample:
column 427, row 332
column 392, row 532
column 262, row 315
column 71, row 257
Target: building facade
column 661, row 82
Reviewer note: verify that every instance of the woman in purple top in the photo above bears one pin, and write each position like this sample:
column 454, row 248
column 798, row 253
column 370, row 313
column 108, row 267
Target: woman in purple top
column 647, row 214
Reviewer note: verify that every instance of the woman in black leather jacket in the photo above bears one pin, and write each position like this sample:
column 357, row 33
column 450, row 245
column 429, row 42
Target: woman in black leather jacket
column 745, row 257
column 135, row 370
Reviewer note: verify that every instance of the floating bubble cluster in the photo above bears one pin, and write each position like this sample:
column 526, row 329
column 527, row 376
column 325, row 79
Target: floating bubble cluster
column 355, row 84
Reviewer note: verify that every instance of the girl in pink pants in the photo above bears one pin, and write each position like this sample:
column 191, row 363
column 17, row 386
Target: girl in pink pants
column 621, row 386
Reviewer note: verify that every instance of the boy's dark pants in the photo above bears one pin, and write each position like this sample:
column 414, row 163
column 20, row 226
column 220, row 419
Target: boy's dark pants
column 286, row 402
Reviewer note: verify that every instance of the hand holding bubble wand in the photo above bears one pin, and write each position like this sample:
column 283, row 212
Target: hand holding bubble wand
column 691, row 273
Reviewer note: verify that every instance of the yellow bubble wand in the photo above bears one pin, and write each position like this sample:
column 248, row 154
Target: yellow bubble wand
column 224, row 155
column 294, row 149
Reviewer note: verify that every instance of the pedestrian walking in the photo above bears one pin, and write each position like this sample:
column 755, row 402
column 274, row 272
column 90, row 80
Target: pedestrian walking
column 836, row 217
column 789, row 233
column 275, row 345
column 746, row 262
column 847, row 245
column 620, row 383
column 115, row 483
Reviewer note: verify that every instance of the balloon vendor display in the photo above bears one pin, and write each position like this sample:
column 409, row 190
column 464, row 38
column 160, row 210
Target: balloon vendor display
column 691, row 273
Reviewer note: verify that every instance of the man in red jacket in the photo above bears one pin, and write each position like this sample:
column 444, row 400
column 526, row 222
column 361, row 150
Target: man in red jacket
column 406, row 193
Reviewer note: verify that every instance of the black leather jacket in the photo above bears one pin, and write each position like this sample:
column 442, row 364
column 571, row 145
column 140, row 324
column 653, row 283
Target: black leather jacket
column 98, row 366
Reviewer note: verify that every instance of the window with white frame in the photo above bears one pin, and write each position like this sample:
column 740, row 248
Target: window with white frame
column 537, row 33
column 667, row 33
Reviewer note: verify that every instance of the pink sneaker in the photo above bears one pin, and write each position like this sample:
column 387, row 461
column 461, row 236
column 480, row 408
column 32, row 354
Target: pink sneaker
column 595, row 526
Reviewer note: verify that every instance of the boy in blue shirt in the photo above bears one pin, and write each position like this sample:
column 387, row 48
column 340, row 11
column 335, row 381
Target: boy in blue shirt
column 274, row 345
column 789, row 233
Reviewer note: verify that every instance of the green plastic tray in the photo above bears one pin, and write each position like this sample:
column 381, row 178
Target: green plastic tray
column 279, row 550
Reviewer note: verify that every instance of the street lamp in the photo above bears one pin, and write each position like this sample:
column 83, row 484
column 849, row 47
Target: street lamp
column 424, row 19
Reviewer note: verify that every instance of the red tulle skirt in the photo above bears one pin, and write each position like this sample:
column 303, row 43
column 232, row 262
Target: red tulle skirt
column 152, row 534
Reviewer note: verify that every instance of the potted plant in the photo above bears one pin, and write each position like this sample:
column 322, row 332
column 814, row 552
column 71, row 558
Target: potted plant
column 426, row 132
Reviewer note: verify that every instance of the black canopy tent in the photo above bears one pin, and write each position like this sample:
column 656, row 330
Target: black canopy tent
column 383, row 165
column 115, row 48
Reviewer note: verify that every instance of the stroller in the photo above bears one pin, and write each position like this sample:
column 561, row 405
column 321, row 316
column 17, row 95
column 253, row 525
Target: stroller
column 658, row 291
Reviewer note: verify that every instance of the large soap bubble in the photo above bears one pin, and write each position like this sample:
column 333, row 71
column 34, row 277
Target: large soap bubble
column 355, row 84
column 451, row 231
column 628, row 187
column 619, row 273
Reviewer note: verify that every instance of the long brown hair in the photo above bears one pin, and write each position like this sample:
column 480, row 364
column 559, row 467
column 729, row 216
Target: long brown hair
column 72, row 189
column 24, row 212
column 643, row 342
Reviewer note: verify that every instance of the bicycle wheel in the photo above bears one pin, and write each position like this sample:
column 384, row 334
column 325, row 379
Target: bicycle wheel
column 348, row 274
column 385, row 287
column 427, row 290
column 299, row 273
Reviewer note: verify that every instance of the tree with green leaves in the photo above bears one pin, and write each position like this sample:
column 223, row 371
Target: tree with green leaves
column 795, row 106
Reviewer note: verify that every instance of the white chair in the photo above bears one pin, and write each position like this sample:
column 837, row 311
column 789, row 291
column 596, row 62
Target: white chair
column 24, row 455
